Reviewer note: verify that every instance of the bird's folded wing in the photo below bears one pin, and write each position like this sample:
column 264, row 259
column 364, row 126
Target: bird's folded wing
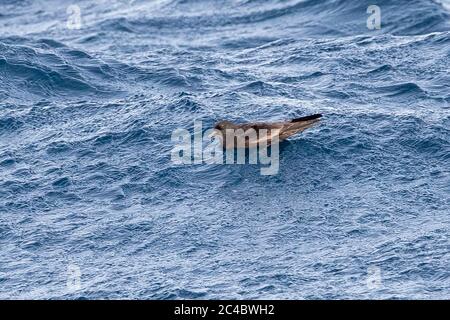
column 269, row 137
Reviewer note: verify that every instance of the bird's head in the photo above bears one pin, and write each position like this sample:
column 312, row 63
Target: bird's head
column 224, row 125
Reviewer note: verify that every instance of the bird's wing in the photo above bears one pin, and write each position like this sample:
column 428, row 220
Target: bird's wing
column 290, row 128
column 251, row 140
column 282, row 129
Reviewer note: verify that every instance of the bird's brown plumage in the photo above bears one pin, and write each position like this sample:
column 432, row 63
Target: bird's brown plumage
column 284, row 129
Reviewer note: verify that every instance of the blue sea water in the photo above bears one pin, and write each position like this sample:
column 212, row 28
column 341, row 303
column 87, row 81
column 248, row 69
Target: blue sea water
column 359, row 209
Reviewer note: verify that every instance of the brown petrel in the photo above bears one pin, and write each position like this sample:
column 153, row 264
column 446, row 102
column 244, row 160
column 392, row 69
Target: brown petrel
column 263, row 131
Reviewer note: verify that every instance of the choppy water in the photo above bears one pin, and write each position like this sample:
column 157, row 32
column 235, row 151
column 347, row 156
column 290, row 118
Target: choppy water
column 359, row 209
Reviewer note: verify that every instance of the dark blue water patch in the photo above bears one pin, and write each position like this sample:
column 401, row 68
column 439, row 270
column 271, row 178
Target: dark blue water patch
column 58, row 147
column 8, row 162
column 51, row 43
column 261, row 88
column 296, row 79
column 185, row 104
column 10, row 124
column 403, row 89
column 246, row 43
column 61, row 183
column 383, row 69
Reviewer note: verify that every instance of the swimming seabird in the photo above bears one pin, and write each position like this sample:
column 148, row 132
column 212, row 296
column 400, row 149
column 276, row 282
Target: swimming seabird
column 284, row 129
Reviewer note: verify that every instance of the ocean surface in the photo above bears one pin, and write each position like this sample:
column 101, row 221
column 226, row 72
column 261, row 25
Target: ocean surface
column 92, row 207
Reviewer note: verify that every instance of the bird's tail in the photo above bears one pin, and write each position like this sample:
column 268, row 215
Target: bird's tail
column 307, row 118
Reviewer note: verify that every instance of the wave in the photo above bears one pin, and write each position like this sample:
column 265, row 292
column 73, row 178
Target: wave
column 47, row 68
column 304, row 18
